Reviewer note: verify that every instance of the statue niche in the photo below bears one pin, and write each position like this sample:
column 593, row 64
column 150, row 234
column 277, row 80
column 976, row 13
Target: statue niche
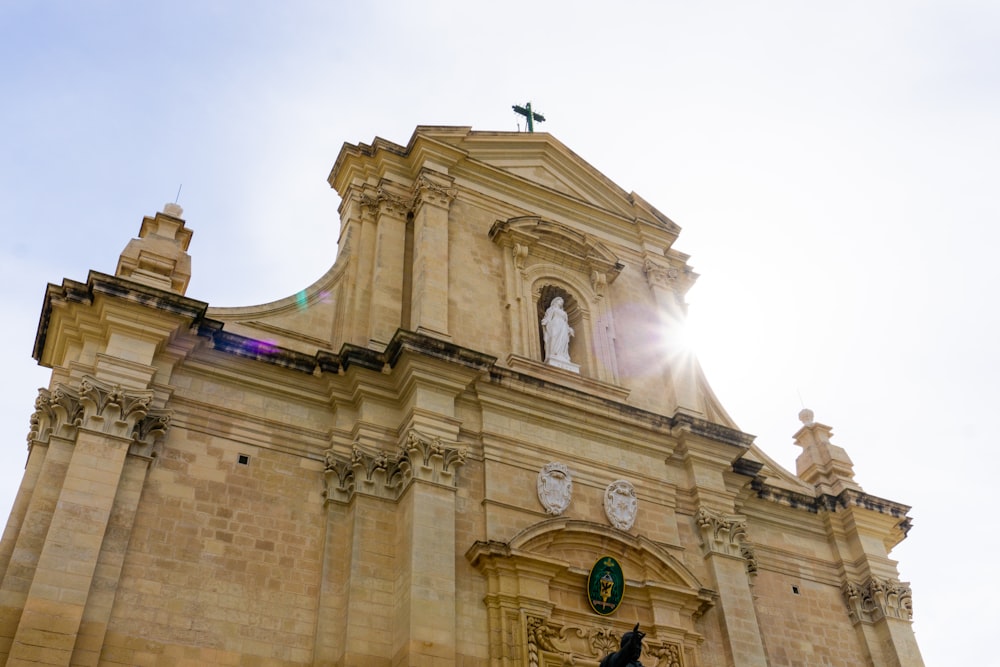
column 544, row 259
column 557, row 314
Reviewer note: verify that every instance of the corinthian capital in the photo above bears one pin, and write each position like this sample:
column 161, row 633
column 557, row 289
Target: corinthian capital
column 658, row 275
column 385, row 200
column 97, row 406
column 434, row 190
column 722, row 533
column 877, row 598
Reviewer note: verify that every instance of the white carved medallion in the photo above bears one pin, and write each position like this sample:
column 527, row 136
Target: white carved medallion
column 620, row 504
column 555, row 488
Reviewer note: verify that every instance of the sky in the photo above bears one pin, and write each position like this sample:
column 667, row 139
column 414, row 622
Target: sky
column 834, row 167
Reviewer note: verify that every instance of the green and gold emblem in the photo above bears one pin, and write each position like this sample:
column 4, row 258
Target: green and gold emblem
column 605, row 586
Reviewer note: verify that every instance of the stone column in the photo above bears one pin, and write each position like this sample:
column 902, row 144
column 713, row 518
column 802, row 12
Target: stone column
column 724, row 541
column 429, row 288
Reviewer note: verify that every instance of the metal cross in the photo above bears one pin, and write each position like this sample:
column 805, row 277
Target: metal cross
column 529, row 114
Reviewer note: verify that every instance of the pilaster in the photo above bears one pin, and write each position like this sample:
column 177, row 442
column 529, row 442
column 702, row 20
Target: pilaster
column 396, row 511
column 729, row 557
column 668, row 284
column 429, row 286
column 103, row 423
column 390, row 206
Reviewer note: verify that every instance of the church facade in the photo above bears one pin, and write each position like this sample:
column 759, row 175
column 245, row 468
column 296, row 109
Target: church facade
column 474, row 442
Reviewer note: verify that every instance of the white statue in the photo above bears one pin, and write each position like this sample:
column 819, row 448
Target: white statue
column 555, row 488
column 620, row 504
column 557, row 333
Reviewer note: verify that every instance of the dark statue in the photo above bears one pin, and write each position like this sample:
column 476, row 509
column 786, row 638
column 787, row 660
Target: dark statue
column 628, row 654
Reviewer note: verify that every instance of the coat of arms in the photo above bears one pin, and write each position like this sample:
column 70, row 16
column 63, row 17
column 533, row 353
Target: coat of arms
column 605, row 586
column 620, row 504
column 555, row 488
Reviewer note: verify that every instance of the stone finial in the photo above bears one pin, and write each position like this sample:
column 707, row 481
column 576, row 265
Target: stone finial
column 159, row 258
column 174, row 210
column 822, row 463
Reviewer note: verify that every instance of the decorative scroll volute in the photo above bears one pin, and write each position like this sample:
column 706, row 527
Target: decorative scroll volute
column 877, row 598
column 57, row 412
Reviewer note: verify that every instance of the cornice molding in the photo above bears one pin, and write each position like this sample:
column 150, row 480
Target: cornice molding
column 848, row 498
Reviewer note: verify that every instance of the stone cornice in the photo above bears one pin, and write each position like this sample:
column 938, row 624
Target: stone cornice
column 847, row 498
column 71, row 291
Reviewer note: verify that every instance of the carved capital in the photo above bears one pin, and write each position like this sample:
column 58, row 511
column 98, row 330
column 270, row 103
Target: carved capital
column 148, row 433
column 427, row 191
column 373, row 473
column 658, row 275
column 386, row 202
column 385, row 475
column 877, row 598
column 431, row 460
column 722, row 533
column 97, row 406
column 110, row 409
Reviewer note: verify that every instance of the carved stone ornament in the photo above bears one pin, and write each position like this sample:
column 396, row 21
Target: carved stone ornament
column 555, row 488
column 572, row 644
column 724, row 534
column 426, row 190
column 101, row 407
column 877, row 598
column 386, row 475
column 621, row 504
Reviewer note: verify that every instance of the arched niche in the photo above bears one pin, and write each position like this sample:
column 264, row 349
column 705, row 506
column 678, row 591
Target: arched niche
column 579, row 319
column 537, row 586
column 542, row 256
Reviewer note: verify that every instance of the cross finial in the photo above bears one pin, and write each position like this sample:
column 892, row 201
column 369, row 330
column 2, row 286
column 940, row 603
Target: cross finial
column 529, row 114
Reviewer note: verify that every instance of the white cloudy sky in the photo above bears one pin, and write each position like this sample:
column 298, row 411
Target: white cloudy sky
column 834, row 167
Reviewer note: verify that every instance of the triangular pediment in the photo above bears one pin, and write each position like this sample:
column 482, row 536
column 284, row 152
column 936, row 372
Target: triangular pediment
column 541, row 159
column 535, row 165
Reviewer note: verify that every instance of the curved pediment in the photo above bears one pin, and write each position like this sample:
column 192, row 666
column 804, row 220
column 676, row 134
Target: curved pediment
column 579, row 543
column 532, row 236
